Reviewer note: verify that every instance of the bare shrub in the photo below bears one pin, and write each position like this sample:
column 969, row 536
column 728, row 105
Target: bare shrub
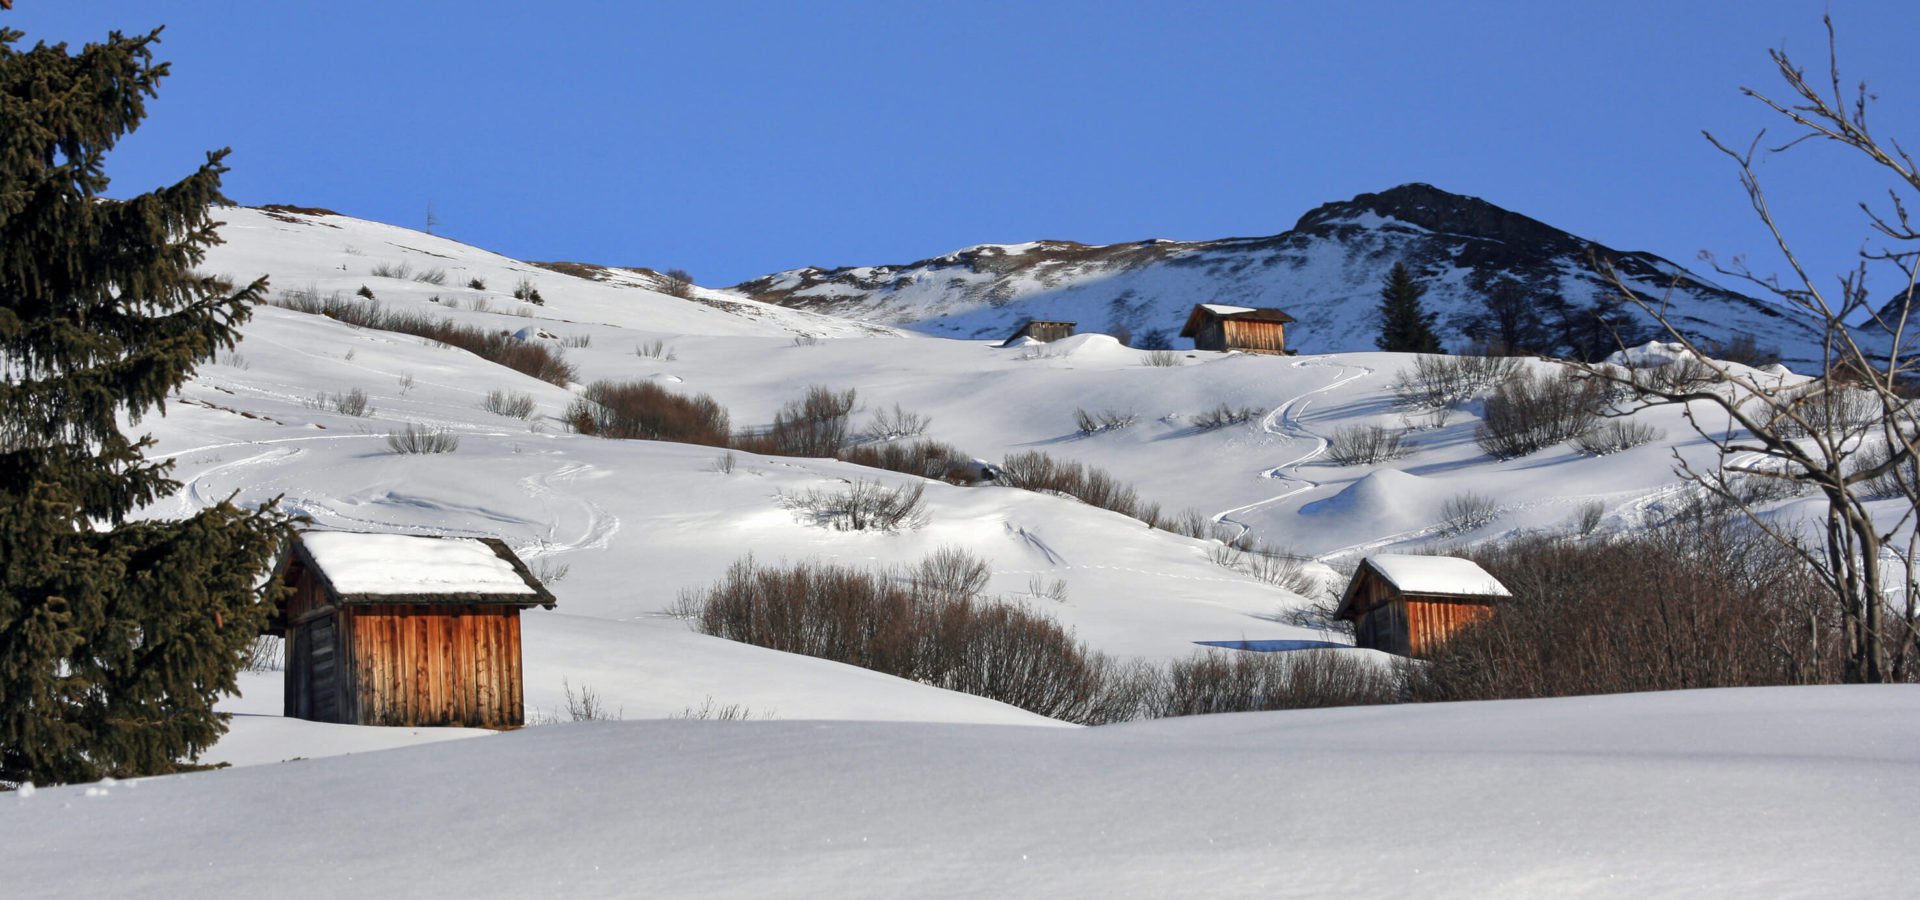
column 586, row 706
column 1036, row 471
column 656, row 349
column 949, row 575
column 724, row 463
column 1699, row 604
column 1161, row 359
column 890, row 425
column 432, row 276
column 1365, row 445
column 1743, row 348
column 709, row 710
column 1437, row 381
column 1279, row 567
column 862, row 506
column 992, row 649
column 477, row 283
column 927, row 459
column 1225, row 681
column 1194, row 524
column 1089, row 423
column 677, row 283
column 643, row 410
column 577, row 341
column 1531, row 411
column 267, row 653
column 805, row 340
column 525, row 290
column 813, row 426
column 422, row 439
column 1835, row 410
column 401, row 270
column 1586, row 519
column 1223, row 415
column 526, row 357
column 508, row 403
column 1465, row 512
column 1901, row 480
column 550, row 573
column 1617, row 435
column 1675, row 376
column 352, row 403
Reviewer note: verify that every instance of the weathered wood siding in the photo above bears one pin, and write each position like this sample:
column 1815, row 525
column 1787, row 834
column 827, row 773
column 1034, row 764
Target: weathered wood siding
column 1048, row 331
column 1210, row 336
column 430, row 665
column 1255, row 337
column 1408, row 624
column 1431, row 620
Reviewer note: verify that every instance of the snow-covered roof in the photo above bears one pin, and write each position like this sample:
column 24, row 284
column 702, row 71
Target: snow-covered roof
column 411, row 566
column 1437, row 575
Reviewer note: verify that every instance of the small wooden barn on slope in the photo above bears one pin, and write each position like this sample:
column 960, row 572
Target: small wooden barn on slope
column 1216, row 327
column 390, row 629
column 1040, row 330
column 1411, row 604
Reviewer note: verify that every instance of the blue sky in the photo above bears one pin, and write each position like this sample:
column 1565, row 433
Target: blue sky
column 734, row 139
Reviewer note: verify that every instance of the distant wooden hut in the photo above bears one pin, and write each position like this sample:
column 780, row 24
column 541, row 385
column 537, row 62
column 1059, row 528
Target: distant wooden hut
column 1041, row 330
column 1411, row 604
column 1216, row 327
column 387, row 629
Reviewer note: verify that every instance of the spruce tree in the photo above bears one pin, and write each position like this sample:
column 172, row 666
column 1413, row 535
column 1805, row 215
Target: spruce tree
column 116, row 636
column 1405, row 326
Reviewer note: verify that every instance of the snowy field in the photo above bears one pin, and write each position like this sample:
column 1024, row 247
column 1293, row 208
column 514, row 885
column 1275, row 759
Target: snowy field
column 852, row 782
column 1808, row 792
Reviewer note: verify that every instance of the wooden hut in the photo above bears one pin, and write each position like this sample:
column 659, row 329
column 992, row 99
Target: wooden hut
column 1216, row 327
column 1410, row 604
column 1041, row 330
column 388, row 629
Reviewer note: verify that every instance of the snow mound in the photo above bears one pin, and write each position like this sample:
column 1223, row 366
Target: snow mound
column 1388, row 494
column 1090, row 346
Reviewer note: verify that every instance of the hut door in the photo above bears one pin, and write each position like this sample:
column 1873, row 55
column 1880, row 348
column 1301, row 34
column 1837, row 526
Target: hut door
column 323, row 652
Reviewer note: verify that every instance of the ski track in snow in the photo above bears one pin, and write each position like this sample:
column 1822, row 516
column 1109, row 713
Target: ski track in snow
column 1284, row 422
column 600, row 527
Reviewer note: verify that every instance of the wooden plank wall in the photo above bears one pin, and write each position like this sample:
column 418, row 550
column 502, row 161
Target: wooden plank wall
column 430, row 665
column 1256, row 337
column 1430, row 621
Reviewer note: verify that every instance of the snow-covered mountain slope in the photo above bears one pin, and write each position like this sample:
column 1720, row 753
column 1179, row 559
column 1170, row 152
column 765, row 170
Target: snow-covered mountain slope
column 1326, row 271
column 324, row 253
column 1730, row 793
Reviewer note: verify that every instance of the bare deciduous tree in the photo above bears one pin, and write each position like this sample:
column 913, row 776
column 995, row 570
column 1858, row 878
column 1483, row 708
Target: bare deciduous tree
column 1811, row 434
